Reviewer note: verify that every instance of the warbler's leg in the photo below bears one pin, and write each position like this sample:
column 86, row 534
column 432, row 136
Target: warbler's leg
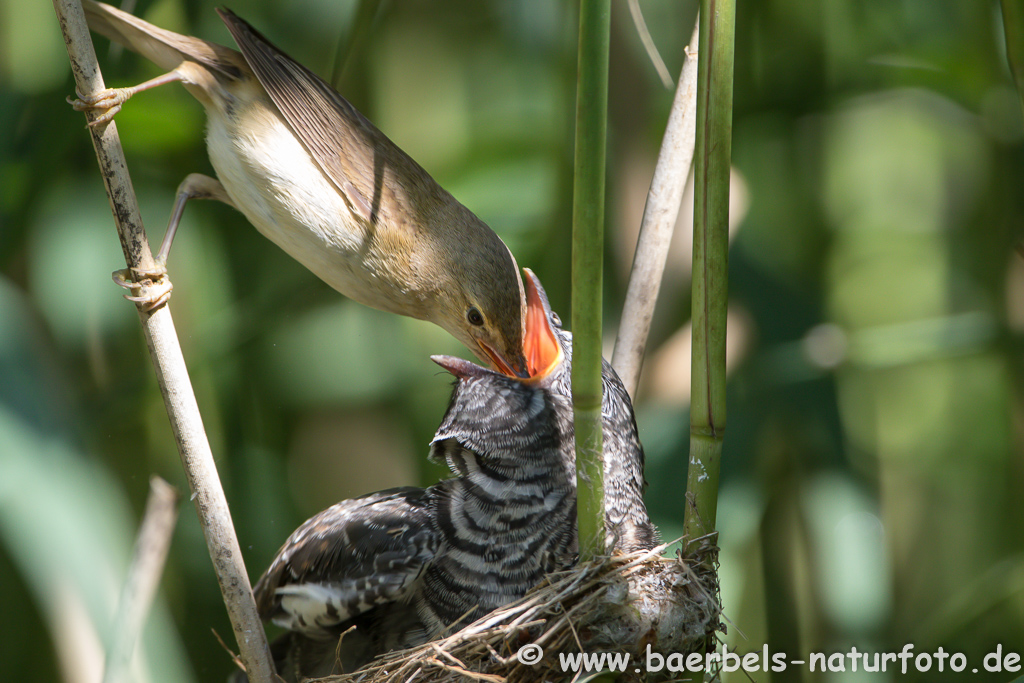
column 111, row 99
column 194, row 186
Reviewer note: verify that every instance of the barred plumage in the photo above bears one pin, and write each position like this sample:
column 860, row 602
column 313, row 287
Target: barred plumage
column 349, row 558
column 508, row 518
column 401, row 566
column 404, row 565
column 627, row 525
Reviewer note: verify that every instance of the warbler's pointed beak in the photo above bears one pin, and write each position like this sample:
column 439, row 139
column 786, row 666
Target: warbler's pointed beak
column 501, row 365
column 541, row 345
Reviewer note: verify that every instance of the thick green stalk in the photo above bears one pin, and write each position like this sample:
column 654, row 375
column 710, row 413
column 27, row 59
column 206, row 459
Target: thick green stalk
column 710, row 261
column 587, row 254
column 1013, row 27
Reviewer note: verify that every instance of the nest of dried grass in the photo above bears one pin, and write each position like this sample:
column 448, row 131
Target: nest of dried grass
column 624, row 603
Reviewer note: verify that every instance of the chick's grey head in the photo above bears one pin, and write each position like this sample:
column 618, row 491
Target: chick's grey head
column 513, row 418
column 498, row 416
column 499, row 411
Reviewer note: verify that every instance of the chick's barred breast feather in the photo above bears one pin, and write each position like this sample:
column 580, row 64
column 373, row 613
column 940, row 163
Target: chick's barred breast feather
column 403, row 566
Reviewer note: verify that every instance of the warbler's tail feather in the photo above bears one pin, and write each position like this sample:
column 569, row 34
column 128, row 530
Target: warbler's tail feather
column 166, row 49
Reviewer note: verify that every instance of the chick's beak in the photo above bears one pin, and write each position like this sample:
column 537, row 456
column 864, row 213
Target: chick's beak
column 543, row 351
column 463, row 369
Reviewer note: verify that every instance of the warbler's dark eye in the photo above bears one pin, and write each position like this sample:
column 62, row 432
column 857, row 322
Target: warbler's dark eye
column 555, row 320
column 474, row 317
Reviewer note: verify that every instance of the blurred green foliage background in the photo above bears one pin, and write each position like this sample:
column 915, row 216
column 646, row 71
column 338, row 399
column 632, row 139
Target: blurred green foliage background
column 872, row 474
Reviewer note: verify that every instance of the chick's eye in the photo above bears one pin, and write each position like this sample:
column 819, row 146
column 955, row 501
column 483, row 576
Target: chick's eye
column 474, row 317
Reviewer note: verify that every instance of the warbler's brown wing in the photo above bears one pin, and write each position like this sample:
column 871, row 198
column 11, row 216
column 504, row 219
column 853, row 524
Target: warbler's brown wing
column 350, row 150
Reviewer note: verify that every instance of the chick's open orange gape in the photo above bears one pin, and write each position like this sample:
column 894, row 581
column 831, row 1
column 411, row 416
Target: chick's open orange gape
column 400, row 567
column 397, row 568
column 543, row 351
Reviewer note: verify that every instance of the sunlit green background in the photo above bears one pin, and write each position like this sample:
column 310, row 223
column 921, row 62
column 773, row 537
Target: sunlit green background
column 872, row 482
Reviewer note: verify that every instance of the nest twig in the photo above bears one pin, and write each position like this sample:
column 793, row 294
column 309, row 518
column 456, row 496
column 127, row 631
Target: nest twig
column 624, row 603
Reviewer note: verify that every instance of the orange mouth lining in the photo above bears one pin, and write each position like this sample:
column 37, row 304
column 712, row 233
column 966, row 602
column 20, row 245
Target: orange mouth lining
column 543, row 352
